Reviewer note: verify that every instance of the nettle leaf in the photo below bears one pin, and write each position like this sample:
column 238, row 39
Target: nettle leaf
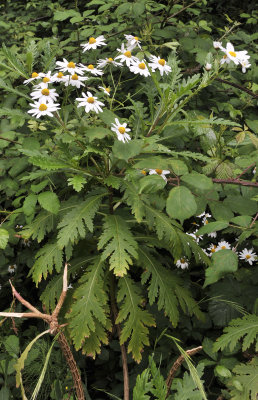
column 4, row 236
column 119, row 244
column 181, row 203
column 77, row 182
column 241, row 329
column 49, row 201
column 74, row 223
column 136, row 320
column 89, row 305
column 212, row 227
column 40, row 226
column 165, row 288
column 46, row 258
column 222, row 262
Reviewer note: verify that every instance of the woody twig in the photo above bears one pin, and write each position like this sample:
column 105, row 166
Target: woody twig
column 52, row 320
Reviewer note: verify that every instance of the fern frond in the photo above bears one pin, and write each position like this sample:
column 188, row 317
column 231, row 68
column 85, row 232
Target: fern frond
column 247, row 375
column 40, row 226
column 73, row 225
column 89, row 306
column 46, row 258
column 92, row 345
column 14, row 62
column 245, row 328
column 134, row 199
column 136, row 320
column 119, row 244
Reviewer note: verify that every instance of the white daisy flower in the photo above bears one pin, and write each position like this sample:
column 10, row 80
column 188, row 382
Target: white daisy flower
column 132, row 42
column 139, row 67
column 90, row 68
column 69, row 66
column 161, row 172
column 12, row 268
column 160, row 64
column 108, row 61
column 126, row 56
column 224, row 60
column 34, row 76
column 182, row 263
column 212, row 234
column 245, row 64
column 74, row 80
column 218, row 45
column 106, row 90
column 248, row 255
column 47, row 78
column 235, row 56
column 208, row 66
column 40, row 109
column 93, row 43
column 90, row 103
column 120, row 130
column 44, row 95
column 212, row 249
column 222, row 245
column 58, row 77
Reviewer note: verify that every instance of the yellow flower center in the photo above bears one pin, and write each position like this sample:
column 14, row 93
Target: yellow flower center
column 45, row 92
column 42, row 107
column 46, row 79
column 60, row 75
column 128, row 54
column 90, row 100
column 34, row 75
column 90, row 66
column 247, row 256
column 110, row 59
column 223, row 247
column 162, row 62
column 71, row 65
column 182, row 260
column 107, row 89
column 75, row 77
column 206, row 222
column 225, row 56
column 92, row 40
column 142, row 66
column 121, row 129
column 159, row 171
column 213, row 249
column 232, row 53
column 136, row 38
column 143, row 172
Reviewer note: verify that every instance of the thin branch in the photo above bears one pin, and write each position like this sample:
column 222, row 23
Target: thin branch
column 177, row 365
column 253, row 221
column 234, row 181
column 9, row 140
column 23, row 301
column 238, row 87
column 62, row 296
column 182, row 9
column 245, row 170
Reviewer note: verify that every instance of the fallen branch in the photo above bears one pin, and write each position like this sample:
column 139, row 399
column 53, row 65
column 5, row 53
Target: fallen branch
column 177, row 365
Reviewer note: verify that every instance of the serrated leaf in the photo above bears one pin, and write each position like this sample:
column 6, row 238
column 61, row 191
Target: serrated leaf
column 136, row 320
column 90, row 299
column 49, row 201
column 181, row 203
column 74, row 223
column 222, row 262
column 39, row 227
column 47, row 162
column 29, row 204
column 119, row 244
column 133, row 199
column 4, row 236
column 10, row 89
column 247, row 376
column 14, row 62
column 77, row 182
column 47, row 257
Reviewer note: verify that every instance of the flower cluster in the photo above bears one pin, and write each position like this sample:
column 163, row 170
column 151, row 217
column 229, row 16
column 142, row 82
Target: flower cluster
column 230, row 54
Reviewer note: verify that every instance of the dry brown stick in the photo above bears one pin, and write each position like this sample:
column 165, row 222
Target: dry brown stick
column 235, row 182
column 238, row 87
column 245, row 170
column 177, row 365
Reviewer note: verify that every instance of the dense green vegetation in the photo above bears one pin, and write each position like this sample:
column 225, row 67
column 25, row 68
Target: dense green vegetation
column 158, row 229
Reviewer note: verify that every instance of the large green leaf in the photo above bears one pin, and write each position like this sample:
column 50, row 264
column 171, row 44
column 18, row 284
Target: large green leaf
column 4, row 236
column 198, row 182
column 181, row 203
column 222, row 263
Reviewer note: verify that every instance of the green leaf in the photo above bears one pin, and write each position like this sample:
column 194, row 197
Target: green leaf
column 10, row 89
column 119, row 244
column 14, row 62
column 29, row 204
column 124, row 151
column 11, row 344
column 135, row 318
column 181, row 203
column 46, row 162
column 47, row 257
column 108, row 117
column 151, row 184
column 220, row 211
column 4, row 236
column 241, row 205
column 178, row 167
column 242, row 220
column 5, row 393
column 97, row 133
column 186, row 388
column 77, row 182
column 222, row 262
column 63, row 15
column 247, row 375
column 241, row 329
column 212, row 227
column 49, row 201
column 223, row 371
column 198, row 182
column 74, row 223
column 133, row 199
column 40, row 226
column 138, row 8
column 90, row 299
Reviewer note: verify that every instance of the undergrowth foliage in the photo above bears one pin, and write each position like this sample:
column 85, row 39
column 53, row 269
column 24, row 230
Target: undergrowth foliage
column 109, row 164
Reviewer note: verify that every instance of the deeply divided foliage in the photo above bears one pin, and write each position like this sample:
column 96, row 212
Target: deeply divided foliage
column 129, row 150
